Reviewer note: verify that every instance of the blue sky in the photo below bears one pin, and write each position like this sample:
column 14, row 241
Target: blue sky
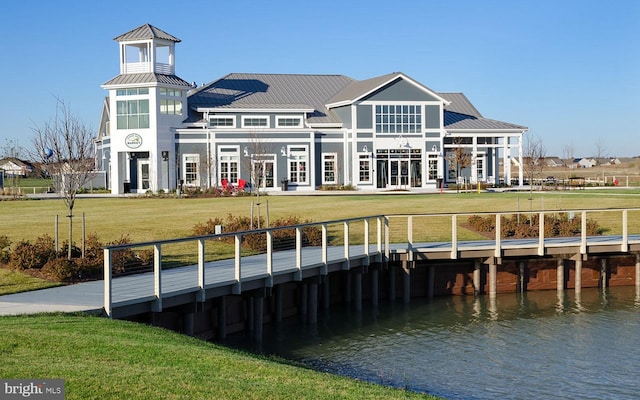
column 569, row 70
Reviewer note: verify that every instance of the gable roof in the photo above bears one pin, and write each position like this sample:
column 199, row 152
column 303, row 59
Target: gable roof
column 303, row 93
column 146, row 32
column 360, row 89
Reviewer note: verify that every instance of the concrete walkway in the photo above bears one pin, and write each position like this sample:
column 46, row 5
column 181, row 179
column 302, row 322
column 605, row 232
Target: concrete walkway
column 87, row 297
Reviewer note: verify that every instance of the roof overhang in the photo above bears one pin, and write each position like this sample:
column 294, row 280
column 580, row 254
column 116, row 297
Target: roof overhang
column 259, row 110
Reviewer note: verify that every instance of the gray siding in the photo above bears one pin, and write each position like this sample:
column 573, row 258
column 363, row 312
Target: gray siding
column 365, row 117
column 432, row 117
column 401, row 91
column 344, row 113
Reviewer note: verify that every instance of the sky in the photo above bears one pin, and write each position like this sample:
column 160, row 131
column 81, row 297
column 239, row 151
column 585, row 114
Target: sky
column 569, row 70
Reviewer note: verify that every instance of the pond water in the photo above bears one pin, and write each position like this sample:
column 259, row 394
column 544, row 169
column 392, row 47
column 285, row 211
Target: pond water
column 535, row 345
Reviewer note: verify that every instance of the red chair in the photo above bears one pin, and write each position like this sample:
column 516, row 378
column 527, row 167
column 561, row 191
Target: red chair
column 225, row 184
column 241, row 184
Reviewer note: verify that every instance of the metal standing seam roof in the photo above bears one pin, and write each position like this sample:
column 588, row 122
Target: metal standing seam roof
column 240, row 90
column 461, row 114
column 147, row 77
column 146, row 32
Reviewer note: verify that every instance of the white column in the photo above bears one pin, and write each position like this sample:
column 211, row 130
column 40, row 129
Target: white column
column 520, row 161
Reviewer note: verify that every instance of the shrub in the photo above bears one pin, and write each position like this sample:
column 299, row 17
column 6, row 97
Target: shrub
column 5, row 249
column 32, row 256
column 61, row 269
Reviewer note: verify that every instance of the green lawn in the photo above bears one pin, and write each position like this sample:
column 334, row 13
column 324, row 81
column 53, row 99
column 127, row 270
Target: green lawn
column 109, row 359
column 146, row 219
column 15, row 282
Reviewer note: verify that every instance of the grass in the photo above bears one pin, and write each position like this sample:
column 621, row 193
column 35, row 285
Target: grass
column 109, row 359
column 15, row 282
column 147, row 219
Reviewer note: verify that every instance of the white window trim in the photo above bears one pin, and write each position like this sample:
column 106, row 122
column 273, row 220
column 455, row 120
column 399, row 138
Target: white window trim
column 232, row 118
column 368, row 158
column 232, row 151
column 292, row 154
column 335, row 168
column 196, row 156
column 245, row 117
column 280, row 117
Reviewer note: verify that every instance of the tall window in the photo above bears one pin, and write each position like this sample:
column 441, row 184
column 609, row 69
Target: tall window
column 190, row 167
column 364, row 168
column 133, row 114
column 298, row 165
column 432, row 167
column 228, row 164
column 398, row 119
column 329, row 168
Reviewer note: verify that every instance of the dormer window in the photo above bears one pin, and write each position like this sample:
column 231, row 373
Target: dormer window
column 255, row 122
column 222, row 122
column 289, row 122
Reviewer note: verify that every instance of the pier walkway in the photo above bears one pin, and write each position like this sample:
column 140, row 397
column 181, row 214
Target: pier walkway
column 346, row 244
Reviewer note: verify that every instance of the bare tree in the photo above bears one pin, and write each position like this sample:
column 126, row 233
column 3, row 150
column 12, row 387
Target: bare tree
column 534, row 155
column 64, row 148
column 12, row 148
column 567, row 154
column 255, row 162
column 600, row 152
column 459, row 158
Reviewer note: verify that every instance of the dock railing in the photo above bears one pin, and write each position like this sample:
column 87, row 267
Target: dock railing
column 531, row 228
column 309, row 243
column 340, row 241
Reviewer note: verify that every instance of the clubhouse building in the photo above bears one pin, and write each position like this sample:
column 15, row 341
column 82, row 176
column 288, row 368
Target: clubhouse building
column 286, row 131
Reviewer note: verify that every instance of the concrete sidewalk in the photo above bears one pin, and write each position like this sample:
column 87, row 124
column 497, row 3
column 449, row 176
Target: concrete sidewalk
column 86, row 297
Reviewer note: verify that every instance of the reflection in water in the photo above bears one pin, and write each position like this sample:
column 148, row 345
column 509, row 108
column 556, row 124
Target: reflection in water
column 516, row 346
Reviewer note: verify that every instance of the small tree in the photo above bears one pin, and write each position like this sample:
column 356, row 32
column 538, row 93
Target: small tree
column 254, row 161
column 534, row 155
column 459, row 158
column 64, row 148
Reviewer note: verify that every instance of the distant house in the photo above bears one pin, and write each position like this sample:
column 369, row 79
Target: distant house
column 554, row 162
column 15, row 167
column 584, row 162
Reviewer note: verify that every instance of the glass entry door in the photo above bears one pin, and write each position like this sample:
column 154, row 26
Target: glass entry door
column 143, row 175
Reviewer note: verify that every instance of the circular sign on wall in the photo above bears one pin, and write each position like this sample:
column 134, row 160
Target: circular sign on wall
column 133, row 141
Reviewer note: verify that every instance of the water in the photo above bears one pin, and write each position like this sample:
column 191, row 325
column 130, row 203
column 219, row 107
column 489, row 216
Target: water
column 537, row 345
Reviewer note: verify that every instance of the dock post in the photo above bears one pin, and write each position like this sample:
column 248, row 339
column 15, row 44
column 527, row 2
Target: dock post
column 302, row 306
column 477, row 282
column 374, row 286
column 521, row 280
column 406, row 282
column 278, row 302
column 358, row 290
column 493, row 280
column 578, row 280
column 188, row 323
column 431, row 281
column 637, row 270
column 313, row 302
column 326, row 293
column 392, row 282
column 258, row 314
column 560, row 275
column 221, row 317
column 347, row 287
column 603, row 273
